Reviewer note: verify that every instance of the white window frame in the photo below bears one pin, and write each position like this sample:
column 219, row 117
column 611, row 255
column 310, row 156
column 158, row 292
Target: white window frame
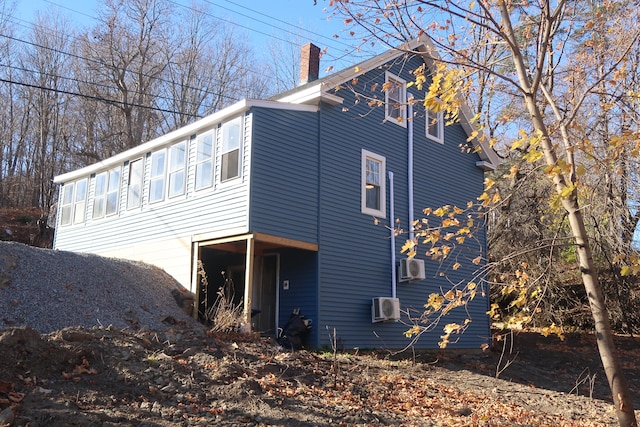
column 80, row 201
column 382, row 211
column 66, row 203
column 436, row 118
column 134, row 186
column 107, row 203
column 112, row 205
column 205, row 161
column 99, row 196
column 226, row 152
column 157, row 177
column 395, row 103
column 177, row 170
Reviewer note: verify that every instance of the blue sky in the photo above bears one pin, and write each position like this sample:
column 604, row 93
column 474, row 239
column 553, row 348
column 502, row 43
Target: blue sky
column 260, row 20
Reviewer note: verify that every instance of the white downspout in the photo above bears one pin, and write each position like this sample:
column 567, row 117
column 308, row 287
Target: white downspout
column 393, row 237
column 410, row 166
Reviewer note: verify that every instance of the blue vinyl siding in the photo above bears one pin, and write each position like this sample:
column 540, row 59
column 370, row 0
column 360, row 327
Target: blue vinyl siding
column 284, row 189
column 354, row 258
column 300, row 269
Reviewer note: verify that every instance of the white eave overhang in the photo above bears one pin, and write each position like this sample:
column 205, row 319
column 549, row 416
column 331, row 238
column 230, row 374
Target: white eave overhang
column 312, row 95
column 199, row 126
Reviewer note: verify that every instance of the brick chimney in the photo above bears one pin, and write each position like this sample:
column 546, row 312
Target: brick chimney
column 309, row 63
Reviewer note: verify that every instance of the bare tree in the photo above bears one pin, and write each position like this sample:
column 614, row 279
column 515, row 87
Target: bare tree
column 45, row 66
column 123, row 62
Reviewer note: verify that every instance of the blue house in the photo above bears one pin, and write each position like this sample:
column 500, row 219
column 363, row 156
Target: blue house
column 288, row 202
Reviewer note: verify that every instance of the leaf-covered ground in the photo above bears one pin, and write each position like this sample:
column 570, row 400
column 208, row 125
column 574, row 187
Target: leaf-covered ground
column 109, row 377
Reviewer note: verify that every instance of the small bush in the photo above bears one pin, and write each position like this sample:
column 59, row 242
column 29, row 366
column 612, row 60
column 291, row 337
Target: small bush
column 223, row 315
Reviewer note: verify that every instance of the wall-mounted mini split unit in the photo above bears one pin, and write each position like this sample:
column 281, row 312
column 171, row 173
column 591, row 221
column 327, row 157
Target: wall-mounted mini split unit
column 410, row 270
column 384, row 309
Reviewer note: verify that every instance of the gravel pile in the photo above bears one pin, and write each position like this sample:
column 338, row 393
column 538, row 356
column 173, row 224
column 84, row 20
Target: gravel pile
column 49, row 290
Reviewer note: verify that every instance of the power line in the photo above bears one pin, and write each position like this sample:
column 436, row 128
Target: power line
column 97, row 98
column 73, row 55
column 56, row 76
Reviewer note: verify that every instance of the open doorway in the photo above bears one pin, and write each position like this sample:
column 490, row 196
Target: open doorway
column 226, row 270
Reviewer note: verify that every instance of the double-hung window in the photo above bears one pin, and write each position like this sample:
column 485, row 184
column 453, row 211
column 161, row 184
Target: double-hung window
column 204, row 160
column 156, row 183
column 177, row 166
column 434, row 125
column 74, row 201
column 106, row 193
column 134, row 186
column 373, row 184
column 231, row 146
column 80, row 201
column 395, row 99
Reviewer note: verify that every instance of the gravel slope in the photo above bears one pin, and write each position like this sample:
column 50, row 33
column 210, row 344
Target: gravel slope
column 49, row 290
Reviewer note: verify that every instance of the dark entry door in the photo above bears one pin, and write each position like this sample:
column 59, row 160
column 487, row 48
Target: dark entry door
column 265, row 296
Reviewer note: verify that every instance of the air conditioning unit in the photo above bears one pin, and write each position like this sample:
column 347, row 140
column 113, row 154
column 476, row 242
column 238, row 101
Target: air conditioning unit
column 410, row 270
column 384, row 309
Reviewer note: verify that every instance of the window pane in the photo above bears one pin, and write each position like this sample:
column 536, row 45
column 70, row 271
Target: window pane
column 204, row 161
column 203, row 175
column 433, row 124
column 80, row 201
column 177, row 157
column 98, row 207
column 155, row 190
column 157, row 164
column 373, row 197
column 101, row 184
column 373, row 172
column 67, row 194
column 134, row 190
column 99, row 195
column 114, row 180
column 230, row 165
column 373, row 201
column 78, row 212
column 395, row 98
column 231, row 135
column 113, row 192
column 176, row 169
column 67, row 208
column 204, row 148
column 66, row 215
column 112, row 203
column 176, row 183
column 81, row 191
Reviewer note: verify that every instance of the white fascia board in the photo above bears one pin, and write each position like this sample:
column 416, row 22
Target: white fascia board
column 312, row 95
column 178, row 134
column 486, row 153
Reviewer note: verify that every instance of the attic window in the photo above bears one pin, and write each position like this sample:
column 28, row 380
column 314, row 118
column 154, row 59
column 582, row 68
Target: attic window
column 434, row 125
column 395, row 99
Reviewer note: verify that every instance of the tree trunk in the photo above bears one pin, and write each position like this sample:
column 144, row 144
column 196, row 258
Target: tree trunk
column 622, row 400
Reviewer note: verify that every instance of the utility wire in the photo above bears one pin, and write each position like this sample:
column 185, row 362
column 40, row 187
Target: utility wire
column 102, row 85
column 103, row 64
column 97, row 98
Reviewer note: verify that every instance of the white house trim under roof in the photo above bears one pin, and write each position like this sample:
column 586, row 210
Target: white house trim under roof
column 311, row 95
column 183, row 132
